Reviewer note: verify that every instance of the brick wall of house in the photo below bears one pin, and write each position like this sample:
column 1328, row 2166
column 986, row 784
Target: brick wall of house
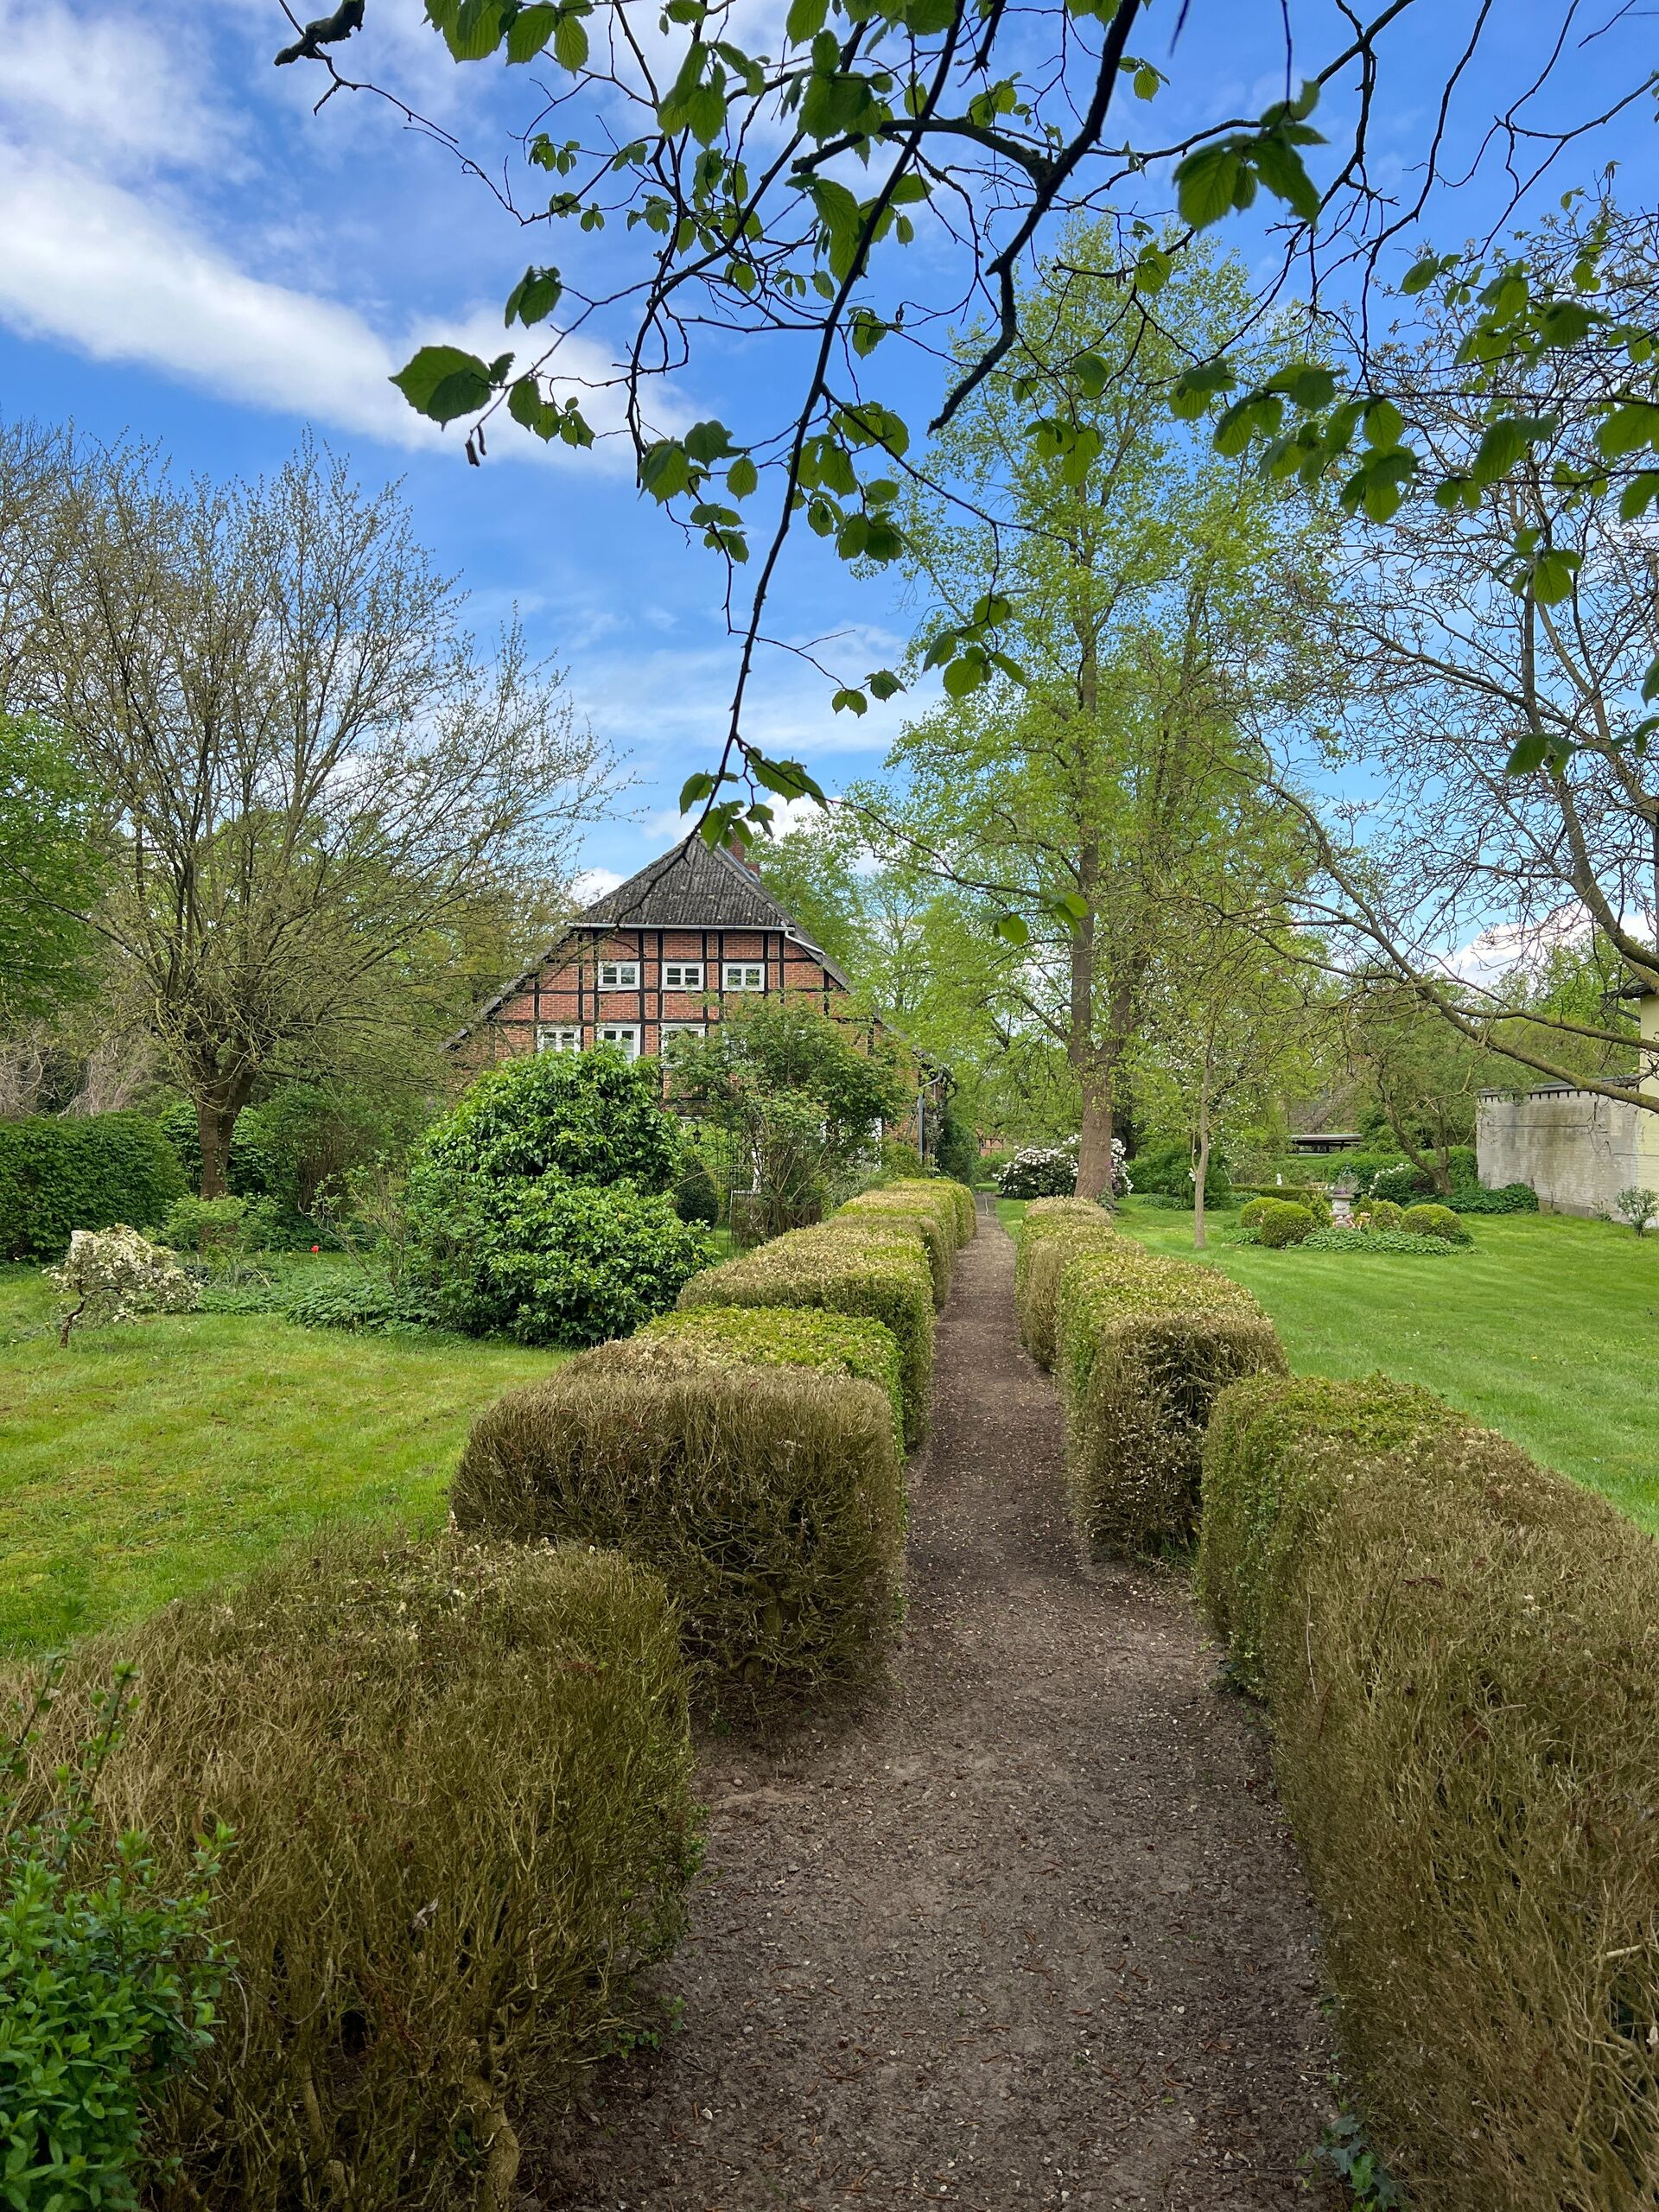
column 568, row 993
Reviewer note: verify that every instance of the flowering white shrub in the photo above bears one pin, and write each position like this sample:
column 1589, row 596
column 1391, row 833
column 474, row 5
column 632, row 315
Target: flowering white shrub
column 115, row 1275
column 1051, row 1172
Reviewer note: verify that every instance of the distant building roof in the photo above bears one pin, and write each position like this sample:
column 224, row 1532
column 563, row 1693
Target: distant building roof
column 697, row 885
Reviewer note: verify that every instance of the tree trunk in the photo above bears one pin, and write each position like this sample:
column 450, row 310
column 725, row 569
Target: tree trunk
column 1201, row 1175
column 1095, row 1145
column 216, row 1118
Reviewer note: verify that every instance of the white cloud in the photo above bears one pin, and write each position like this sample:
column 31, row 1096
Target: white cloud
column 119, row 275
column 109, row 82
column 591, row 883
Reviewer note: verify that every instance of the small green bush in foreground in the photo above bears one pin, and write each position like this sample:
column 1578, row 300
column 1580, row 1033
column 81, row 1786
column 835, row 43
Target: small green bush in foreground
column 458, row 1782
column 1278, row 1222
column 845, row 1272
column 109, row 1979
column 1460, row 1651
column 1144, row 1344
column 1435, row 1221
column 770, row 1498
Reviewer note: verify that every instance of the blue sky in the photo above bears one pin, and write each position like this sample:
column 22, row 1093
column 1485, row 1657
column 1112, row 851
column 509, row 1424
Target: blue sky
column 187, row 254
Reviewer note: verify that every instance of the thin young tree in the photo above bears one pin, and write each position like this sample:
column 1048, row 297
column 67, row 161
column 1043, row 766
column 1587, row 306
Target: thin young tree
column 310, row 772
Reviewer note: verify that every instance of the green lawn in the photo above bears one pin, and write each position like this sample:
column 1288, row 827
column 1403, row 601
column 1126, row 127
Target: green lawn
column 1548, row 1330
column 160, row 1458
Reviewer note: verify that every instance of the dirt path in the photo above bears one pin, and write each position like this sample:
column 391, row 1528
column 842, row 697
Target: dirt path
column 1030, row 1934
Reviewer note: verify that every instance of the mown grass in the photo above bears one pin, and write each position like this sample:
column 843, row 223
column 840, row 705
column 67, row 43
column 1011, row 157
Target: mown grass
column 148, row 1461
column 1546, row 1330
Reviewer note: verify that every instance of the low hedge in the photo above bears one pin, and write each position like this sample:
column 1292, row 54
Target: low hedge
column 1051, row 1234
column 61, row 1174
column 768, row 1336
column 845, row 1273
column 1143, row 1346
column 1435, row 1221
column 1461, row 1653
column 935, row 1187
column 459, row 1783
column 769, row 1499
column 1397, row 1240
column 936, row 1236
column 1507, row 1198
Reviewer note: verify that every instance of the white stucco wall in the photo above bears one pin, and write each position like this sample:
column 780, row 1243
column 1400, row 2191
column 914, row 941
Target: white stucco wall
column 1577, row 1150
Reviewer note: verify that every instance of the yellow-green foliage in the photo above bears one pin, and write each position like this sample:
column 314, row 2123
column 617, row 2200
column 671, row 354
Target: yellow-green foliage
column 459, row 1780
column 1143, row 1347
column 769, row 1499
column 1273, row 1447
column 1461, row 1652
column 1052, row 1232
column 935, row 1236
column 764, row 1335
column 847, row 1271
column 935, row 1187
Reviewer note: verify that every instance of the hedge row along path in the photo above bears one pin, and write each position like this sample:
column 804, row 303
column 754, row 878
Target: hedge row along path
column 1030, row 1934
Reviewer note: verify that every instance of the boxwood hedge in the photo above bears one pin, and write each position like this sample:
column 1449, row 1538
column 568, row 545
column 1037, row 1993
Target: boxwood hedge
column 937, row 1237
column 1461, row 1653
column 1144, row 1346
column 935, row 1189
column 458, row 1778
column 769, row 1498
column 848, row 1272
column 1052, row 1232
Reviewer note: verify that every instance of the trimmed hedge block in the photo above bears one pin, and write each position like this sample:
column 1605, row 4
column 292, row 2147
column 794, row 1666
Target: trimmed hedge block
column 846, row 1272
column 1275, row 1447
column 938, row 1187
column 935, row 1236
column 770, row 1500
column 60, row 1173
column 1052, row 1234
column 456, row 1774
column 1144, row 1347
column 728, row 1337
column 1461, row 1653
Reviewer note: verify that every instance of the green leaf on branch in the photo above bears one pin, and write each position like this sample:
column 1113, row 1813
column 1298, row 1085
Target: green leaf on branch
column 1207, row 184
column 698, row 788
column 1194, row 388
column 1639, row 495
column 441, row 382
column 1553, row 575
column 534, row 297
column 529, row 32
column 1012, row 929
column 850, row 698
column 1531, row 752
column 741, row 477
column 664, row 469
column 1627, row 429
column 1503, row 442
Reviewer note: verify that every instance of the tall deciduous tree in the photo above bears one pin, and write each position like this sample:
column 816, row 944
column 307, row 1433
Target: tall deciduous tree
column 1102, row 782
column 311, row 773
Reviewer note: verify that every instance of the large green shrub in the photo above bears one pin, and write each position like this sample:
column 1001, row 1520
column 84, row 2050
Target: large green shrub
column 457, row 1778
column 593, row 1117
column 857, row 1273
column 1051, row 1234
column 1461, row 1654
column 59, row 1175
column 936, row 1191
column 109, row 1979
column 550, row 1261
column 769, row 1498
column 1278, row 1222
column 1165, row 1169
column 1144, row 1346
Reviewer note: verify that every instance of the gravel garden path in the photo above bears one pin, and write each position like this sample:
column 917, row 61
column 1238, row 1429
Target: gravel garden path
column 1029, row 1934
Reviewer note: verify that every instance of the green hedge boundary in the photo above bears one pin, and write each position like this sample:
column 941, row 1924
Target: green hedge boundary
column 1460, row 1651
column 845, row 1273
column 1052, row 1232
column 1144, row 1346
column 936, row 1235
column 455, row 1774
column 770, row 1498
column 59, row 1174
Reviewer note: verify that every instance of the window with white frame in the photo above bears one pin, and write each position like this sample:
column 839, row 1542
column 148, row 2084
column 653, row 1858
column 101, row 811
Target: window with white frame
column 674, row 1033
column 683, row 975
column 554, row 1037
column 619, row 975
column 746, row 975
column 625, row 1035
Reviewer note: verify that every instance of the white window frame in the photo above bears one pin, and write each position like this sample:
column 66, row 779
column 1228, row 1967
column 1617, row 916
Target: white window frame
column 735, row 974
column 688, row 972
column 623, row 1034
column 619, row 976
column 668, row 1031
column 558, row 1036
